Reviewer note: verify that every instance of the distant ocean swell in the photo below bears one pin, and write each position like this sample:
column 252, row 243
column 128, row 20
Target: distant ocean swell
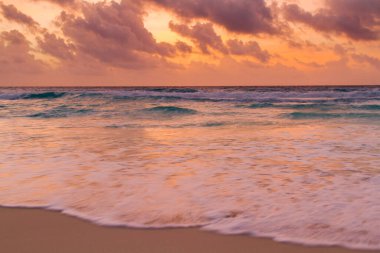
column 60, row 112
column 297, row 164
column 173, row 111
column 355, row 102
column 264, row 95
column 315, row 115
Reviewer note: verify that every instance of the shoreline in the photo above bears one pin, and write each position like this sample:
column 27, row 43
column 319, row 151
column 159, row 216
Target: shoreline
column 29, row 230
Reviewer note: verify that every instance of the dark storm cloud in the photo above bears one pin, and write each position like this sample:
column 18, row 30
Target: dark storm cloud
column 357, row 19
column 242, row 16
column 11, row 13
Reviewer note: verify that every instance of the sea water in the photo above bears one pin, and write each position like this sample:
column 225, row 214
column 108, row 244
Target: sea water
column 296, row 164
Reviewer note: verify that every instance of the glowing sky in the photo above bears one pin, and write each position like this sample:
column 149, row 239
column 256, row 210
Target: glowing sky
column 189, row 42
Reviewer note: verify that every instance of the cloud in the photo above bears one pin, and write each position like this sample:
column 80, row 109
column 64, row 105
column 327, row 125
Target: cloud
column 11, row 13
column 183, row 47
column 362, row 58
column 205, row 37
column 106, row 42
column 114, row 33
column 356, row 19
column 241, row 16
column 60, row 2
column 15, row 56
column 15, row 38
column 368, row 10
column 250, row 48
column 202, row 34
column 56, row 46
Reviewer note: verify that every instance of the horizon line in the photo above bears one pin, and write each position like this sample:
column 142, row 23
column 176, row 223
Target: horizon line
column 191, row 86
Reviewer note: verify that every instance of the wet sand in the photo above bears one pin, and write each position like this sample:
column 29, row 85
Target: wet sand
column 41, row 231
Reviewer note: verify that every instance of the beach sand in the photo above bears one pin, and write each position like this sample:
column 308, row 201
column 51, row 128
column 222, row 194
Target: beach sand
column 41, row 231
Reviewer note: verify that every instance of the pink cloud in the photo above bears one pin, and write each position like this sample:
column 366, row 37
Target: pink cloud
column 357, row 19
column 11, row 13
column 241, row 16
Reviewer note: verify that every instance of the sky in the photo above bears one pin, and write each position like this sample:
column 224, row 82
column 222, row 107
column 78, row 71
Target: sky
column 189, row 42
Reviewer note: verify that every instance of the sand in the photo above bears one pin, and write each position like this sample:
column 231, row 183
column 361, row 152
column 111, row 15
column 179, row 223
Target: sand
column 41, row 231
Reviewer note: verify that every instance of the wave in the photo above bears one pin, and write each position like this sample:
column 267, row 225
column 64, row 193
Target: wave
column 170, row 110
column 318, row 106
column 300, row 106
column 173, row 90
column 311, row 106
column 213, row 124
column 261, row 105
column 150, row 97
column 92, row 95
column 32, row 95
column 44, row 95
column 60, row 112
column 368, row 107
column 174, row 125
column 253, row 95
column 316, row 115
column 259, row 95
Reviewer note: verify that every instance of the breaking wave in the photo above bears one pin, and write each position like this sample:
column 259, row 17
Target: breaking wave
column 44, row 95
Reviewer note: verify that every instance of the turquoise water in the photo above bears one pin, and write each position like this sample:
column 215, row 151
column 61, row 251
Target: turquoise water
column 294, row 164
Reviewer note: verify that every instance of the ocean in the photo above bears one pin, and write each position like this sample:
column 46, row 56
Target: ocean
column 296, row 164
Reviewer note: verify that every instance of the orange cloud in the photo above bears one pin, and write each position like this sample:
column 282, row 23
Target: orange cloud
column 211, row 42
column 11, row 13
